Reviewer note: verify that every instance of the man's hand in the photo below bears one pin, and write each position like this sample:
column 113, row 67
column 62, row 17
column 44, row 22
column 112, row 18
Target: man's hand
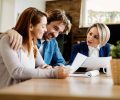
column 15, row 39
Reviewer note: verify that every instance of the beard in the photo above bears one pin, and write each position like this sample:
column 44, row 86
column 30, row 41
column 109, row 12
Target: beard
column 48, row 36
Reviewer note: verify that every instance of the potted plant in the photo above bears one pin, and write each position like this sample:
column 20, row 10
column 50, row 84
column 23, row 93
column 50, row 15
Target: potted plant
column 115, row 50
column 115, row 62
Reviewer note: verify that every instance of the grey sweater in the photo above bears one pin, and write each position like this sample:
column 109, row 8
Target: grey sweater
column 13, row 71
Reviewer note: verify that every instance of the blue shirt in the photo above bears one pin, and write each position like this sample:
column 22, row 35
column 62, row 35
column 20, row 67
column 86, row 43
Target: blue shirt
column 51, row 53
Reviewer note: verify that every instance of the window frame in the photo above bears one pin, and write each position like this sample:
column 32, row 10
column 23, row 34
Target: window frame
column 83, row 15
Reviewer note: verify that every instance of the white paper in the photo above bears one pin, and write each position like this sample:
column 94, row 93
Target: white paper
column 91, row 63
column 78, row 61
column 79, row 75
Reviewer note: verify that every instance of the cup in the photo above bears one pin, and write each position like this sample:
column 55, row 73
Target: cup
column 115, row 66
column 107, row 69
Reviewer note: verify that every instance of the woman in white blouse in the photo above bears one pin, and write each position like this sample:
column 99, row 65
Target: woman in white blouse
column 96, row 44
column 26, row 63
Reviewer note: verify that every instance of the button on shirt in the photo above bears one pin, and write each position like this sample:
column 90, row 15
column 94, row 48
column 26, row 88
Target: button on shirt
column 94, row 52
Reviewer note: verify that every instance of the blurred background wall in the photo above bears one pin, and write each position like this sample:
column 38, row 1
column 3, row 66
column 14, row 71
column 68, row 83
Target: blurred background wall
column 11, row 9
column 82, row 14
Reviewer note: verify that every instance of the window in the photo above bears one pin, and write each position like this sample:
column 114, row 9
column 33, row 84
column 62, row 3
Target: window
column 105, row 11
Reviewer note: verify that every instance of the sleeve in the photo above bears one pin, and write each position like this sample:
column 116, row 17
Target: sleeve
column 107, row 50
column 74, row 53
column 57, row 56
column 15, row 68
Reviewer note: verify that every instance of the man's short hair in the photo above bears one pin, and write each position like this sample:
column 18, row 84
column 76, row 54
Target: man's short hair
column 59, row 15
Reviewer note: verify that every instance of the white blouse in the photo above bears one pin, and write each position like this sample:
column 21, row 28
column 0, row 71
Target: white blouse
column 26, row 59
column 18, row 66
column 94, row 52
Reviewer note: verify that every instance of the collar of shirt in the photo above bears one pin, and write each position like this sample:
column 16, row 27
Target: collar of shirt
column 41, row 47
column 94, row 52
column 42, row 41
column 39, row 43
column 92, row 48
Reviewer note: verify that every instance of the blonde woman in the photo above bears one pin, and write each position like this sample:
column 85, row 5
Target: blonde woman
column 26, row 63
column 96, row 43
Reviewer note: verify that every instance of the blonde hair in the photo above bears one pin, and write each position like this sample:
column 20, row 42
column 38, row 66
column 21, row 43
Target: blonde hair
column 103, row 31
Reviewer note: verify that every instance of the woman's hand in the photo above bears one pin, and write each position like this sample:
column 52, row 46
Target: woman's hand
column 61, row 72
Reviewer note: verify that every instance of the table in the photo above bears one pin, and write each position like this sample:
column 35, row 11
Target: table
column 71, row 88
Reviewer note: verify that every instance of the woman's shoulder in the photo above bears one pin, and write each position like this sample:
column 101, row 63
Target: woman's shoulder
column 4, row 38
column 107, row 45
column 106, row 48
column 4, row 44
column 81, row 44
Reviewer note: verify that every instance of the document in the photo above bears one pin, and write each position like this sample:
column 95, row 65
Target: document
column 78, row 75
column 91, row 63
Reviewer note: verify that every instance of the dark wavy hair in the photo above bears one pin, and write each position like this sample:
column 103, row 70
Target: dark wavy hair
column 59, row 15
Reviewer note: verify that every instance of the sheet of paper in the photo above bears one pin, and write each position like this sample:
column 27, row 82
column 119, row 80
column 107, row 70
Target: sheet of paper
column 91, row 63
column 78, row 75
column 78, row 61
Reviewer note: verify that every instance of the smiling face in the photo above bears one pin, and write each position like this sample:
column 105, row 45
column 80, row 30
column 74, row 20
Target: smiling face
column 38, row 30
column 54, row 29
column 93, row 38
